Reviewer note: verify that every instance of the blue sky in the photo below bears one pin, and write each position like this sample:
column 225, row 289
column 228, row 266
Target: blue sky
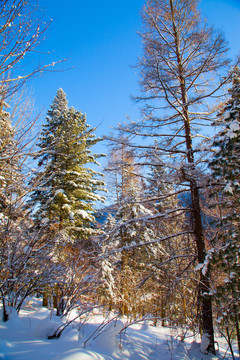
column 101, row 42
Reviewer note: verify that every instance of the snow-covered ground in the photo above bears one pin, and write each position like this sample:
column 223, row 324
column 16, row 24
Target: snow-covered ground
column 25, row 337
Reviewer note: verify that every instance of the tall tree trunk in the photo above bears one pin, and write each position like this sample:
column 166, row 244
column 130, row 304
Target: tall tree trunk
column 238, row 332
column 179, row 56
column 5, row 313
column 204, row 283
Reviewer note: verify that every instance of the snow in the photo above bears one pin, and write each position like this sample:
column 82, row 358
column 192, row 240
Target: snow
column 59, row 191
column 45, row 221
column 25, row 337
column 71, row 215
column 234, row 126
column 233, row 129
column 205, row 343
column 66, row 207
column 204, row 147
column 81, row 354
column 232, row 275
column 199, row 266
column 84, row 214
column 228, row 188
column 46, row 327
column 204, row 266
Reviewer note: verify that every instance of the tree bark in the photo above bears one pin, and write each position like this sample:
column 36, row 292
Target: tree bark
column 204, row 283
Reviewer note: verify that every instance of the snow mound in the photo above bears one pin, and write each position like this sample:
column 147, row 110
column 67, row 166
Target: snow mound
column 12, row 313
column 145, row 326
column 81, row 354
column 70, row 335
column 205, row 343
column 196, row 351
column 5, row 346
column 106, row 341
column 46, row 327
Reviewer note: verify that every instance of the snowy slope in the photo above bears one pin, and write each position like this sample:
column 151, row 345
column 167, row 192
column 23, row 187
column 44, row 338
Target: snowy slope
column 24, row 337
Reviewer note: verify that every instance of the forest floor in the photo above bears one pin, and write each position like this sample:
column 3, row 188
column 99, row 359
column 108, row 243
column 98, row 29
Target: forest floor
column 25, row 337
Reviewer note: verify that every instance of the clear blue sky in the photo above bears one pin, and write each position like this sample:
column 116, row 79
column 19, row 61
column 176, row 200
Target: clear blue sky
column 100, row 40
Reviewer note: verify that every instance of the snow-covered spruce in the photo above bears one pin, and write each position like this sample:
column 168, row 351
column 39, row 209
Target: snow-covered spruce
column 67, row 189
column 225, row 166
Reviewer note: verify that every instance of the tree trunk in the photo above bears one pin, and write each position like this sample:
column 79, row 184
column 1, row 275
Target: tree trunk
column 5, row 313
column 179, row 56
column 237, row 329
column 204, row 284
column 45, row 300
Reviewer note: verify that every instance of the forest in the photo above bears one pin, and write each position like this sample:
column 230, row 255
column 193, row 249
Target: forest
column 154, row 237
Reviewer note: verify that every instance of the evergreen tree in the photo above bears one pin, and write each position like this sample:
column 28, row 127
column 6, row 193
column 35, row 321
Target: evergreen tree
column 66, row 188
column 143, row 274
column 123, row 232
column 128, row 264
column 173, row 267
column 23, row 260
column 226, row 170
column 158, row 189
column 10, row 164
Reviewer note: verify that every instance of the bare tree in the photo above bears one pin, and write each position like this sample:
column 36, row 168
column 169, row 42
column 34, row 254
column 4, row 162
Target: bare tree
column 123, row 175
column 25, row 260
column 25, row 257
column 22, row 28
column 180, row 79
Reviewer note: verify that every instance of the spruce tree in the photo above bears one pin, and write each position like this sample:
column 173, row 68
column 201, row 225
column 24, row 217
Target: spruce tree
column 226, row 171
column 10, row 164
column 66, row 188
column 129, row 263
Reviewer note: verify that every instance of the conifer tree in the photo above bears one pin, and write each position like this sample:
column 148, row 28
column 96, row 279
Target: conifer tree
column 140, row 222
column 10, row 167
column 128, row 265
column 174, row 296
column 10, row 189
column 66, row 187
column 23, row 261
column 65, row 193
column 226, row 171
